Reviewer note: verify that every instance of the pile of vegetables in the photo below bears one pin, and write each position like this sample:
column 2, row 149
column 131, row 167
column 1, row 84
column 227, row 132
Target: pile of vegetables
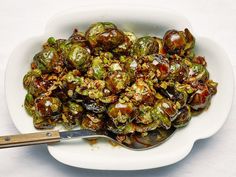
column 108, row 79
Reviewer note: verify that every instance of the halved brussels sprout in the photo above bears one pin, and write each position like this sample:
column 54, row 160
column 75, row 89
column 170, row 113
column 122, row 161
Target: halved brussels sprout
column 197, row 72
column 121, row 129
column 161, row 65
column 78, row 57
column 161, row 46
column 178, row 71
column 125, row 47
column 158, row 114
column 92, row 122
column 30, row 76
column 71, row 115
column 178, row 42
column 78, row 38
column 174, row 41
column 212, row 86
column 29, row 104
column 199, row 60
column 74, row 108
column 41, row 123
column 104, row 35
column 109, row 99
column 46, row 106
column 145, row 128
column 177, row 95
column 99, row 71
column 141, row 92
column 200, row 99
column 164, row 110
column 145, row 46
column 121, row 113
column 183, row 117
column 35, row 84
column 144, row 116
column 46, row 59
column 117, row 81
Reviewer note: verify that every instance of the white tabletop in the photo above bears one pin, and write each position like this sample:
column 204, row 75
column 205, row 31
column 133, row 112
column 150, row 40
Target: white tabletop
column 215, row 156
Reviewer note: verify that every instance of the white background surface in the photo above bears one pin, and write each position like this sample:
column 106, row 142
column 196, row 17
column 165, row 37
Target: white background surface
column 215, row 156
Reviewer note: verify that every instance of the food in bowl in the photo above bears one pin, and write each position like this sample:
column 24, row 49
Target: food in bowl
column 110, row 79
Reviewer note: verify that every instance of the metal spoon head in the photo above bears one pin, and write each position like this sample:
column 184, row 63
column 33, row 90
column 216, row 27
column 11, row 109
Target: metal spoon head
column 133, row 142
column 139, row 142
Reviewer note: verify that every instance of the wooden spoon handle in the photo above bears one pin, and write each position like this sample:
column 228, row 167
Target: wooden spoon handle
column 29, row 139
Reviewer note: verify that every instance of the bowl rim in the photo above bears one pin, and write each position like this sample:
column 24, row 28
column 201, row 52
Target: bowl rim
column 84, row 8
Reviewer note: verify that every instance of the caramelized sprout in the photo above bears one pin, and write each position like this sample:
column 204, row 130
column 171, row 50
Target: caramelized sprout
column 178, row 42
column 104, row 35
column 145, row 46
column 183, row 117
column 46, row 59
column 78, row 57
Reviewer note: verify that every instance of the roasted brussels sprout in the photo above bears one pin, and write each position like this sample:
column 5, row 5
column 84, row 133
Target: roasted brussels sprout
column 42, row 123
column 109, row 99
column 197, row 72
column 29, row 104
column 164, row 110
column 145, row 46
column 178, row 71
column 126, row 46
column 117, row 81
column 47, row 112
column 78, row 38
column 92, row 122
column 179, row 96
column 160, row 46
column 183, row 117
column 212, row 86
column 144, row 116
column 104, row 35
column 121, row 113
column 98, row 69
column 178, row 42
column 158, row 114
column 30, row 77
column 78, row 57
column 75, row 108
column 122, row 129
column 72, row 115
column 161, row 65
column 37, row 84
column 200, row 99
column 46, row 60
column 140, row 92
column 199, row 60
column 91, row 88
column 47, row 106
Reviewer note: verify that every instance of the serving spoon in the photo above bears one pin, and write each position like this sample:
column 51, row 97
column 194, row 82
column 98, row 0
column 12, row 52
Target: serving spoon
column 136, row 142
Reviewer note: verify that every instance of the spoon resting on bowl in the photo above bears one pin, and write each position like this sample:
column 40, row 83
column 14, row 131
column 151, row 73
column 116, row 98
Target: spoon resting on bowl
column 135, row 142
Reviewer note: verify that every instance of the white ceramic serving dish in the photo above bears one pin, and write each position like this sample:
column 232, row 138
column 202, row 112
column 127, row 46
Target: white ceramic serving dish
column 144, row 21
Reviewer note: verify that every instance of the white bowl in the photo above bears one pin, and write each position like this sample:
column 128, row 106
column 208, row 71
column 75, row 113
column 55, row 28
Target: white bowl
column 141, row 20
